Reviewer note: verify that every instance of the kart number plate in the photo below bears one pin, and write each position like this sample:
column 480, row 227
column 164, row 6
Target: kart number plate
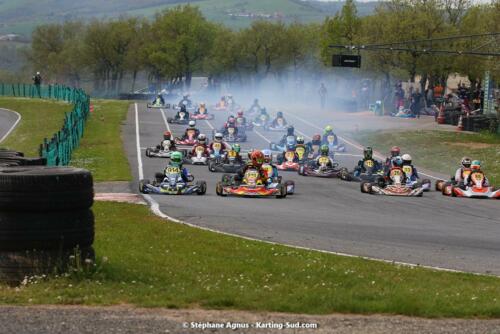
column 330, row 139
column 407, row 170
column 396, row 172
column 300, row 152
column 190, row 133
column 230, row 130
column 202, row 110
column 289, row 155
column 200, row 149
column 369, row 163
column 217, row 146
column 478, row 177
column 172, row 170
column 323, row 160
column 232, row 154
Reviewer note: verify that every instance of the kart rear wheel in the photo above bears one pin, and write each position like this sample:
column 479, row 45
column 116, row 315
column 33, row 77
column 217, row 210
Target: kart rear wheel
column 211, row 166
column 439, row 185
column 426, row 182
column 159, row 177
column 283, row 192
column 452, row 189
column 148, row 152
column 302, row 170
column 219, row 190
column 202, row 187
column 142, row 184
column 344, row 174
column 289, row 183
column 366, row 187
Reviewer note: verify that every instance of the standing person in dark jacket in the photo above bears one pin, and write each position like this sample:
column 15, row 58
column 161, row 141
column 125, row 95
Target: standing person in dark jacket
column 37, row 81
column 415, row 103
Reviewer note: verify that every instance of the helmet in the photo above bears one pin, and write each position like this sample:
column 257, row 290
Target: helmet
column 279, row 114
column 202, row 138
column 37, row 73
column 324, row 149
column 218, row 137
column 159, row 94
column 267, row 155
column 466, row 162
column 202, row 104
column 167, row 135
column 328, row 128
column 406, row 158
column 240, row 113
column 475, row 165
column 257, row 158
column 368, row 152
column 317, row 138
column 255, row 101
column 231, row 119
column 290, row 130
column 176, row 157
column 395, row 151
column 397, row 161
column 237, row 148
column 192, row 124
column 300, row 140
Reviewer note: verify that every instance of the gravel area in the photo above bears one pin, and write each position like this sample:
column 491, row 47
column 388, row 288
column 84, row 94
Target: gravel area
column 125, row 319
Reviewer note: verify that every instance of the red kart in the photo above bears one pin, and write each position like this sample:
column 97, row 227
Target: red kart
column 202, row 114
column 251, row 186
column 190, row 140
column 475, row 190
column 290, row 163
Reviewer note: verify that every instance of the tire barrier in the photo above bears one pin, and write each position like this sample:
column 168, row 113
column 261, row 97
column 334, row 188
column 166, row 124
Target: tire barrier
column 45, row 219
column 57, row 150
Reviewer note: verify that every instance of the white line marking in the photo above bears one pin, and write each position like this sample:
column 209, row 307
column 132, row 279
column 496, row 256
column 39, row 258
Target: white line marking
column 261, row 136
column 138, row 143
column 165, row 119
column 303, row 134
column 13, row 126
column 210, row 124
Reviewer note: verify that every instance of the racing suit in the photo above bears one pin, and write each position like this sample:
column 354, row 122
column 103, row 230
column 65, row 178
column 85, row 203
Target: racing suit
column 198, row 112
column 196, row 133
column 184, row 171
column 162, row 100
column 414, row 175
column 205, row 147
column 225, row 132
column 262, row 173
column 468, row 180
column 275, row 122
column 237, row 158
column 186, row 114
column 185, row 101
column 282, row 142
column 328, row 164
column 224, row 148
column 241, row 121
column 311, row 153
column 360, row 168
column 459, row 175
column 167, row 145
column 330, row 133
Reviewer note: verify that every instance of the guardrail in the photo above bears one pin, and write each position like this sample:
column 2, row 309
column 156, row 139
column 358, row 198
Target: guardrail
column 57, row 150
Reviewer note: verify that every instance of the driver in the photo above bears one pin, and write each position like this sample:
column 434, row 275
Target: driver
column 191, row 127
column 407, row 162
column 324, row 152
column 182, row 110
column 185, row 101
column 202, row 141
column 268, row 160
column 176, row 161
column 465, row 166
column 218, row 139
column 290, row 132
column 230, row 99
column 276, row 122
column 301, row 143
column 202, row 109
column 475, row 168
column 256, row 162
column 159, row 99
column 231, row 123
column 329, row 132
column 255, row 106
column 236, row 148
column 241, row 119
column 167, row 144
column 313, row 146
column 396, row 162
column 395, row 152
column 367, row 156
column 263, row 112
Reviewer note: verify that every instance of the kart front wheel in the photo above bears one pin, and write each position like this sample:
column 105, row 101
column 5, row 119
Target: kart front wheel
column 283, row 192
column 344, row 174
column 366, row 187
column 148, row 152
column 219, row 190
column 202, row 187
column 142, row 185
column 302, row 170
column 439, row 185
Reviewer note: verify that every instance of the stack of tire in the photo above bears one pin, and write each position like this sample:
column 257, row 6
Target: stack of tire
column 45, row 220
column 15, row 158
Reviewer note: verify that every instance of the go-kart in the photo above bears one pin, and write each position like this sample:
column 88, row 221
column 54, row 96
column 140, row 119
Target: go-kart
column 474, row 190
column 261, row 121
column 425, row 183
column 225, row 105
column 190, row 106
column 370, row 174
column 234, row 135
column 241, row 123
column 397, row 187
column 290, row 185
column 190, row 140
column 202, row 114
column 158, row 104
column 225, row 164
column 182, row 119
column 250, row 186
column 280, row 126
column 290, row 141
column 440, row 184
column 171, row 183
column 311, row 168
column 330, row 141
column 158, row 152
column 198, row 158
column 290, row 162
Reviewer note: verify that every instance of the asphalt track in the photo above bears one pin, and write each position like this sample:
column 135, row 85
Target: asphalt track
column 329, row 214
column 8, row 121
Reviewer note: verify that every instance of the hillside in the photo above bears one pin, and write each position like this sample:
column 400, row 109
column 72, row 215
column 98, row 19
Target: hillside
column 21, row 16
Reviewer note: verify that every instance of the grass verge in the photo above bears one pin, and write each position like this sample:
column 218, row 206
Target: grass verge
column 440, row 151
column 146, row 261
column 101, row 149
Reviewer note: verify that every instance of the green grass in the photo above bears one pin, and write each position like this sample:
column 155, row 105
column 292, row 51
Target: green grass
column 40, row 119
column 150, row 262
column 101, row 150
column 440, row 151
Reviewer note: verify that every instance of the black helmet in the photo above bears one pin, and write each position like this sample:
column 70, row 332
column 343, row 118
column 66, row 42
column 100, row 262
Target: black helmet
column 279, row 114
column 290, row 130
column 368, row 152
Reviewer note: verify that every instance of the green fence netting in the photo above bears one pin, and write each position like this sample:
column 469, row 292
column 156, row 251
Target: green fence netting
column 57, row 149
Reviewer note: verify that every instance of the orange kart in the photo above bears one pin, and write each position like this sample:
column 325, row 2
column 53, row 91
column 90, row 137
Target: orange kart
column 250, row 186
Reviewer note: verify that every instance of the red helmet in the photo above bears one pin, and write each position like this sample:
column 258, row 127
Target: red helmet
column 395, row 151
column 316, row 137
column 257, row 158
column 240, row 113
column 167, row 135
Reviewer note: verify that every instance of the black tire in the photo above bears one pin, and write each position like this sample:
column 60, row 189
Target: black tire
column 219, row 190
column 52, row 230
column 159, row 177
column 142, row 183
column 202, row 185
column 22, row 161
column 302, row 170
column 148, row 152
column 283, row 192
column 289, row 183
column 16, row 265
column 453, row 192
column 439, row 185
column 37, row 188
column 211, row 166
column 366, row 187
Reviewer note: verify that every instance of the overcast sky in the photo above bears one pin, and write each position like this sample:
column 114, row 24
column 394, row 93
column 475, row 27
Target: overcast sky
column 481, row 1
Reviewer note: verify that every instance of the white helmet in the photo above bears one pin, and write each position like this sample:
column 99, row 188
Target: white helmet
column 192, row 124
column 406, row 158
column 202, row 138
column 218, row 136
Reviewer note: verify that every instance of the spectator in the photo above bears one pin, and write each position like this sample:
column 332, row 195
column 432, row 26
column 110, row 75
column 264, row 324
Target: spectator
column 415, row 103
column 37, row 80
column 322, row 95
column 399, row 96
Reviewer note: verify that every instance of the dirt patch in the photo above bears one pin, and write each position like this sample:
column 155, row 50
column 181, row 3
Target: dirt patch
column 474, row 146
